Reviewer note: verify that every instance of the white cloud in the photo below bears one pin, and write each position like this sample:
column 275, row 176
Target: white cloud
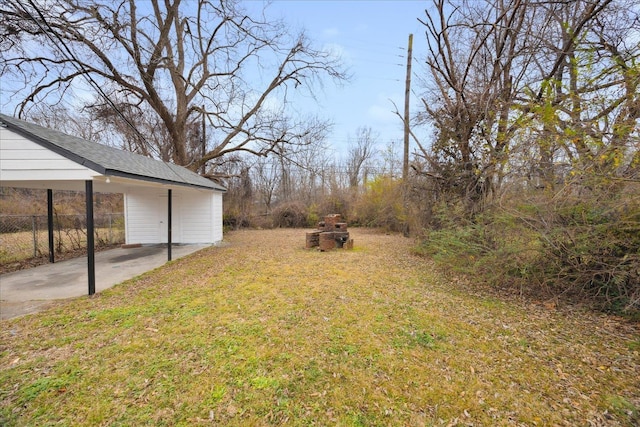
column 337, row 51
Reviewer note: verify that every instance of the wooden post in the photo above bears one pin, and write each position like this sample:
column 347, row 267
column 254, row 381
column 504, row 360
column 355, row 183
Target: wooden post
column 407, row 118
column 407, row 94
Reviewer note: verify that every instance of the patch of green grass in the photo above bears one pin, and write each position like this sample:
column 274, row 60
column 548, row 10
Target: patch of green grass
column 634, row 345
column 263, row 332
column 40, row 386
column 624, row 409
column 261, row 382
column 415, row 338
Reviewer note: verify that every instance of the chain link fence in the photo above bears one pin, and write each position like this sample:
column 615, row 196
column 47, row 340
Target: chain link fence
column 26, row 237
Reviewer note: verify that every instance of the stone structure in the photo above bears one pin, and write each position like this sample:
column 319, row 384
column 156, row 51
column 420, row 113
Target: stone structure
column 330, row 234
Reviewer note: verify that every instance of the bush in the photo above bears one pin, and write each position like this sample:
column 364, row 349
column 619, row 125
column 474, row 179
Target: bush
column 339, row 202
column 496, row 248
column 381, row 205
column 234, row 220
column 290, row 215
column 583, row 247
column 592, row 248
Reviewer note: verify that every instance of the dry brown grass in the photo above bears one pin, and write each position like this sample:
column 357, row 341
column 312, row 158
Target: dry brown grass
column 17, row 249
column 264, row 332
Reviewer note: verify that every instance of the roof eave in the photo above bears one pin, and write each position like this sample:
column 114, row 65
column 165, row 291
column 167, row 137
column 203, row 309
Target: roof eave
column 121, row 174
column 100, row 169
column 56, row 148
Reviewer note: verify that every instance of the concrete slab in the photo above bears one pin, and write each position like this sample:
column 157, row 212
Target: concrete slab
column 28, row 291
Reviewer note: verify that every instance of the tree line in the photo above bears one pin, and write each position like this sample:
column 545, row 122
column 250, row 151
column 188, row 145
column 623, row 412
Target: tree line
column 529, row 177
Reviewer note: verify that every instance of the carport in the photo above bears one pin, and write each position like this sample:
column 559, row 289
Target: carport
column 28, row 291
column 32, row 156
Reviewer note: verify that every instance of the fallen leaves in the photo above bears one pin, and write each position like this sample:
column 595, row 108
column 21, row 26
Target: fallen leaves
column 264, row 332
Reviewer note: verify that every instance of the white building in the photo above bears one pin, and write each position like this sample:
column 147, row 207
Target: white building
column 158, row 196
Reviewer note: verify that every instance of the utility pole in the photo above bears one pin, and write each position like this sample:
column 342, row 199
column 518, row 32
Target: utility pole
column 407, row 92
column 405, row 163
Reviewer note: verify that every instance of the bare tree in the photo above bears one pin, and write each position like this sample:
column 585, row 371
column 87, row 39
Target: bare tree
column 267, row 176
column 498, row 71
column 392, row 159
column 160, row 67
column 591, row 104
column 476, row 60
column 60, row 118
column 309, row 167
column 359, row 154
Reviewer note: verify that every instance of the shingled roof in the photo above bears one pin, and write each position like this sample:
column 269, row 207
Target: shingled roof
column 107, row 160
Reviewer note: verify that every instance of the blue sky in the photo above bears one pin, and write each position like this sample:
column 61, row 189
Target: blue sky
column 373, row 37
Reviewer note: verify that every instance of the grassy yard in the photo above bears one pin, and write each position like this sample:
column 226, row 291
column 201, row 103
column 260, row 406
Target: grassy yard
column 264, row 332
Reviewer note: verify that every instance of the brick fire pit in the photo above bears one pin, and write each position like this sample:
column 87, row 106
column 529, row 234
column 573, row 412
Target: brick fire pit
column 330, row 234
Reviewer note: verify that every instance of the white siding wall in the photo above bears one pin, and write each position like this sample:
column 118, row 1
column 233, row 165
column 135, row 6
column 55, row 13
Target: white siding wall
column 196, row 216
column 201, row 217
column 143, row 213
column 216, row 218
column 24, row 160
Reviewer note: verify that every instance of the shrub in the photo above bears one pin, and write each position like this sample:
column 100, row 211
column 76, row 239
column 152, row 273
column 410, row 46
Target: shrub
column 261, row 222
column 381, row 205
column 290, row 215
column 591, row 247
column 585, row 247
column 339, row 202
column 234, row 220
column 496, row 248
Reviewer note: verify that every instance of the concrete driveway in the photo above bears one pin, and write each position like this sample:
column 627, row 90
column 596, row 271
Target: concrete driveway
column 29, row 291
